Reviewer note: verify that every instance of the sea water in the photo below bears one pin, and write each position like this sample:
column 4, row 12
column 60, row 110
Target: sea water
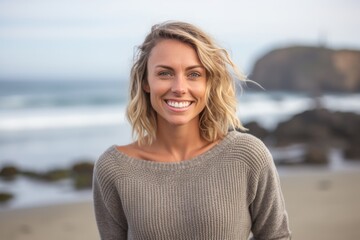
column 55, row 124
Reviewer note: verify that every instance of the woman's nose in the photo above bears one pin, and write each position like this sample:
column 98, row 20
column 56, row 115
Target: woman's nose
column 179, row 85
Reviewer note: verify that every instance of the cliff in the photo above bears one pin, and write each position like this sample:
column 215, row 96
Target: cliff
column 311, row 69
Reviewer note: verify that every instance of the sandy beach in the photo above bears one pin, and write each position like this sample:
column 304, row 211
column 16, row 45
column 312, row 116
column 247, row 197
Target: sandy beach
column 321, row 205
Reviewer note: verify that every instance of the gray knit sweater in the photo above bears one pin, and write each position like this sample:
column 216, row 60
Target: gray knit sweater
column 225, row 193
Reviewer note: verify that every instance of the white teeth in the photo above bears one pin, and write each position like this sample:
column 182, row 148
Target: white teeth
column 178, row 104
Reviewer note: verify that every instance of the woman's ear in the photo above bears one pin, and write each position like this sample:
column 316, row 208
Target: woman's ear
column 146, row 87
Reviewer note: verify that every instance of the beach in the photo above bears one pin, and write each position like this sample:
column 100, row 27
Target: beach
column 58, row 124
column 322, row 204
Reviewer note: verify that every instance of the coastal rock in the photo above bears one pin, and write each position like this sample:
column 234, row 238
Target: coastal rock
column 310, row 69
column 83, row 174
column 49, row 176
column 336, row 129
column 304, row 127
column 256, row 130
column 8, row 172
column 56, row 175
column 5, row 197
column 83, row 167
column 32, row 174
column 352, row 152
column 316, row 154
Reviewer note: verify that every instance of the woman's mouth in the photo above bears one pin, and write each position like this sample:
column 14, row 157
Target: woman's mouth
column 178, row 104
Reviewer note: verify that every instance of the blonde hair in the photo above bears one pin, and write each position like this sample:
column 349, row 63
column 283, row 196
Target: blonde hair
column 219, row 113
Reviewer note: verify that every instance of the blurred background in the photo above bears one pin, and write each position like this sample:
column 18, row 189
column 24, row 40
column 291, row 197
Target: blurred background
column 64, row 71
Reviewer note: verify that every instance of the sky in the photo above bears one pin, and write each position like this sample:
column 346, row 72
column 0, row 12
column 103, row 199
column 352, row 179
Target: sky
column 95, row 40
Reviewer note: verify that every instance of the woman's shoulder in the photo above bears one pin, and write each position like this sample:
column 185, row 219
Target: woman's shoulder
column 118, row 155
column 109, row 159
column 118, row 151
column 246, row 140
column 251, row 149
column 130, row 150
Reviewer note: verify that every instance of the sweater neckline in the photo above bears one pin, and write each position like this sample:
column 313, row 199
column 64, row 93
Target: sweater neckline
column 175, row 165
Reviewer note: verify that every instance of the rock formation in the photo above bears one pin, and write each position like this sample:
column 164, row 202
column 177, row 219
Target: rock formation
column 310, row 69
column 322, row 129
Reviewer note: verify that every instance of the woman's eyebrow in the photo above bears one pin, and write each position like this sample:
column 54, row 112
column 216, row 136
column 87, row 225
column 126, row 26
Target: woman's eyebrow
column 187, row 68
column 195, row 66
column 164, row 66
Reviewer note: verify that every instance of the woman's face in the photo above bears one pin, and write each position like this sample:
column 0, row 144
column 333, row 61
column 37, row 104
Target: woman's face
column 176, row 82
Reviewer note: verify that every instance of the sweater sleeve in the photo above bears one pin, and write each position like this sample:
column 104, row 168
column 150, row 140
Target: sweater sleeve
column 269, row 217
column 109, row 214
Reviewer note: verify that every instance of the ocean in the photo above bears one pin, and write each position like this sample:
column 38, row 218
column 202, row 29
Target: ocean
column 54, row 124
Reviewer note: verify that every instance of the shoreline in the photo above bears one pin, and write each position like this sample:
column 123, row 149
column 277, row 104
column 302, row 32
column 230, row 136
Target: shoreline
column 29, row 192
column 322, row 204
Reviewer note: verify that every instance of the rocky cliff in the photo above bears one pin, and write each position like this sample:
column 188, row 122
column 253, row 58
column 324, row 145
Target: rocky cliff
column 311, row 69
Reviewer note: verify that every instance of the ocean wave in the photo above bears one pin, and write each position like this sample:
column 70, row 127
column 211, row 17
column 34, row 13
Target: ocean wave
column 345, row 103
column 61, row 118
column 32, row 94
column 55, row 101
column 266, row 108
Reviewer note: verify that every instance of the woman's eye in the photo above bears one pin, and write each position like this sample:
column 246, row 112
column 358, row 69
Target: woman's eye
column 194, row 75
column 164, row 74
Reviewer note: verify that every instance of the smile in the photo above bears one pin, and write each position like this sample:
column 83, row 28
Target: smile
column 177, row 104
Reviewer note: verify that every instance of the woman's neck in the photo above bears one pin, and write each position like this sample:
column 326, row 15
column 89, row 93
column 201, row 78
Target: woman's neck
column 179, row 142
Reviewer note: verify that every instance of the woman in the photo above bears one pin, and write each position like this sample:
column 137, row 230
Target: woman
column 186, row 176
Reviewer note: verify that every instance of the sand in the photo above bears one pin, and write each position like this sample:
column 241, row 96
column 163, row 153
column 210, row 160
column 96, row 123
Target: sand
column 321, row 205
column 68, row 221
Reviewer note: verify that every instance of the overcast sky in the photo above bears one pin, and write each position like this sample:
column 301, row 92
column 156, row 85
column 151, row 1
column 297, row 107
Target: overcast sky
column 93, row 39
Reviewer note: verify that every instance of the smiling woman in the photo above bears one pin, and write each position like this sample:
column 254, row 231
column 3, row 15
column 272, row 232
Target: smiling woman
column 189, row 174
column 204, row 58
column 176, row 83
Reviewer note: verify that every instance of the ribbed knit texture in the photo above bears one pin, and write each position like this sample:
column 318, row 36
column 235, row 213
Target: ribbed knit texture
column 225, row 193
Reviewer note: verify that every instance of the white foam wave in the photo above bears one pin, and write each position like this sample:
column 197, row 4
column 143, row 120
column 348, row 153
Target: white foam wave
column 346, row 103
column 263, row 108
column 269, row 112
column 60, row 118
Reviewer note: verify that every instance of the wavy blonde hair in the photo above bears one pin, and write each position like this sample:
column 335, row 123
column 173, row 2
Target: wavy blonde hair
column 219, row 113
